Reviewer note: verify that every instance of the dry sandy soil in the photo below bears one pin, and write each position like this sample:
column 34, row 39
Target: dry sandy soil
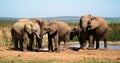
column 7, row 53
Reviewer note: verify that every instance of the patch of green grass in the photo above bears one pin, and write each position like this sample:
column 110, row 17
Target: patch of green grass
column 113, row 21
column 6, row 22
column 72, row 24
column 74, row 39
column 34, row 61
column 57, row 60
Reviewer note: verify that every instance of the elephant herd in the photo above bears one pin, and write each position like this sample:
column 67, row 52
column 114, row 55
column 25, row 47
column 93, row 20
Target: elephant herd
column 28, row 33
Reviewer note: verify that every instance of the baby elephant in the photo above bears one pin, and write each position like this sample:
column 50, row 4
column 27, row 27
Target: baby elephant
column 57, row 30
column 77, row 31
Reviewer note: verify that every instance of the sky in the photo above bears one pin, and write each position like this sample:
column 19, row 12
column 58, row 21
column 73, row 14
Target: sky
column 54, row 8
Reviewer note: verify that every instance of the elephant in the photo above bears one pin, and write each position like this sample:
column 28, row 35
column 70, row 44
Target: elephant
column 97, row 29
column 39, row 22
column 57, row 30
column 83, row 25
column 76, row 31
column 24, row 30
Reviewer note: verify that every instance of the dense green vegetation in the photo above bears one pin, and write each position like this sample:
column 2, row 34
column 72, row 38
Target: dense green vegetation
column 114, row 32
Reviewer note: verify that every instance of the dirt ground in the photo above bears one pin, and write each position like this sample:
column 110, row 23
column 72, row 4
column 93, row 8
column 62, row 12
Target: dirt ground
column 7, row 53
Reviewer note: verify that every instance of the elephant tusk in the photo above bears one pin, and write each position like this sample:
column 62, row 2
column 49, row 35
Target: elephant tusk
column 38, row 36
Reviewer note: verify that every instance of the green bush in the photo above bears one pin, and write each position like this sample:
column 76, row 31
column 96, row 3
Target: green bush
column 114, row 32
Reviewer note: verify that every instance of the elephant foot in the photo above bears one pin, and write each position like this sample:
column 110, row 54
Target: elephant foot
column 57, row 50
column 97, row 48
column 15, row 48
column 24, row 50
column 64, row 49
column 90, row 48
column 39, row 49
column 82, row 48
column 106, row 48
column 50, row 50
column 34, row 49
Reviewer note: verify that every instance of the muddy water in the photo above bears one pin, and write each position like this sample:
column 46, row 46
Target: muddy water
column 101, row 46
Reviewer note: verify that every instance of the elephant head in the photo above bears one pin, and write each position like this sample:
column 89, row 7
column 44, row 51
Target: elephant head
column 84, row 20
column 32, row 28
column 50, row 28
column 93, row 23
column 75, row 31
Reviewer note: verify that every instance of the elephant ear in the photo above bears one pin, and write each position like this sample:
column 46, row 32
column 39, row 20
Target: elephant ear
column 53, row 28
column 94, row 23
column 28, row 28
column 79, row 29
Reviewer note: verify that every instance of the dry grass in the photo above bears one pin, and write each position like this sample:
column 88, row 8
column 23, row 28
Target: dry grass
column 5, row 35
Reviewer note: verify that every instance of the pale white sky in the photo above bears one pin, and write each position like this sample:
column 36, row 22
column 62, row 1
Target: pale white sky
column 52, row 8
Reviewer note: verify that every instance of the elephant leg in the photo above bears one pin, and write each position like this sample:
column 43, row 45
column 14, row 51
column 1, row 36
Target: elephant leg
column 15, row 44
column 83, row 42
column 83, row 45
column 34, row 47
column 59, row 42
column 25, row 41
column 25, row 44
column 21, row 45
column 105, row 44
column 56, row 42
column 80, row 45
column 105, row 41
column 31, row 44
column 97, row 44
column 80, row 42
column 64, row 44
column 65, row 40
column 91, row 41
column 40, row 43
column 50, row 45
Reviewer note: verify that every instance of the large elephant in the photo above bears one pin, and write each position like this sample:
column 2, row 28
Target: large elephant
column 83, row 25
column 24, row 30
column 97, row 29
column 57, row 30
column 39, row 22
column 76, row 31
